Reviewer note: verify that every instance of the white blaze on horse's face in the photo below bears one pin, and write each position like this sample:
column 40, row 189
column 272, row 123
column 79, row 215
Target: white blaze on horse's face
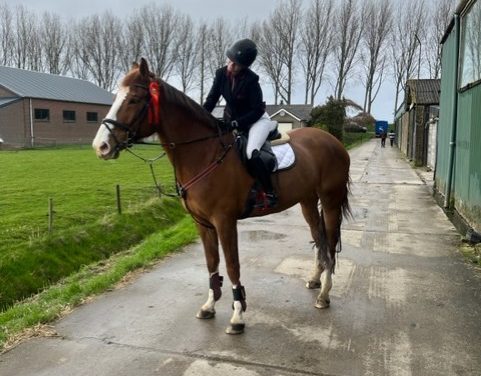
column 102, row 142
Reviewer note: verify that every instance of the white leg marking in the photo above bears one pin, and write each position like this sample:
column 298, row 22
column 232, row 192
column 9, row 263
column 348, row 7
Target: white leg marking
column 326, row 284
column 237, row 315
column 210, row 303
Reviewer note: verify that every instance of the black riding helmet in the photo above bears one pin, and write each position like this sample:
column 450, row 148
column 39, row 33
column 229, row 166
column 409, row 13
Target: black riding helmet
column 243, row 52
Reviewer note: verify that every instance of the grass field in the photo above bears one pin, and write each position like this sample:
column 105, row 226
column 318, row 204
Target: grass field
column 82, row 188
column 86, row 225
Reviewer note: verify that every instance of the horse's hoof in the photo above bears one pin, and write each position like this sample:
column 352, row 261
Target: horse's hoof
column 205, row 314
column 235, row 329
column 322, row 303
column 311, row 284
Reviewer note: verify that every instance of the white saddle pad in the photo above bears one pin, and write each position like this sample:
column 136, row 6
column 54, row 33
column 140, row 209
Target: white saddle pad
column 285, row 157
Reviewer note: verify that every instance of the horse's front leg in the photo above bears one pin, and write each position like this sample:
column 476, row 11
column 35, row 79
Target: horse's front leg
column 227, row 230
column 211, row 250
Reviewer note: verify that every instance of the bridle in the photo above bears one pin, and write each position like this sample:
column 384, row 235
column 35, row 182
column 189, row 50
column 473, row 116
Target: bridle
column 132, row 128
column 150, row 109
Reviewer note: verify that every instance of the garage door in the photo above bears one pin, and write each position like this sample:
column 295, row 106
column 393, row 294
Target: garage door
column 284, row 127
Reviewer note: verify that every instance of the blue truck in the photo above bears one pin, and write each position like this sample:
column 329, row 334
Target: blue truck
column 380, row 127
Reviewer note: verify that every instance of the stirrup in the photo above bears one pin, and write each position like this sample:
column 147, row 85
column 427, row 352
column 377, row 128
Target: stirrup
column 271, row 199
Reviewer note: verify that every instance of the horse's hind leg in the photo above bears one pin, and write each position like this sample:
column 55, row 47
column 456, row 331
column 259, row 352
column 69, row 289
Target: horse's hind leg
column 330, row 227
column 311, row 215
column 211, row 250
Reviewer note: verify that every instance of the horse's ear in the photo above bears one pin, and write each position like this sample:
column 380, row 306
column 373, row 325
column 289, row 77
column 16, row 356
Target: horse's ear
column 135, row 65
column 144, row 67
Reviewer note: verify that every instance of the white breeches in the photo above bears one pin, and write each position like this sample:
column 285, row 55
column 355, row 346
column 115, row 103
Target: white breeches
column 258, row 133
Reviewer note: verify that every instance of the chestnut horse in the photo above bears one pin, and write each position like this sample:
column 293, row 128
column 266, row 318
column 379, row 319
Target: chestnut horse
column 214, row 184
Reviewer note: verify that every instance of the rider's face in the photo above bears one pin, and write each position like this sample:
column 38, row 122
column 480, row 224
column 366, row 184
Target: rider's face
column 233, row 68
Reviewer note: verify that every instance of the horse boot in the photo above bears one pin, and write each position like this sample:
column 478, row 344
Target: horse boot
column 263, row 175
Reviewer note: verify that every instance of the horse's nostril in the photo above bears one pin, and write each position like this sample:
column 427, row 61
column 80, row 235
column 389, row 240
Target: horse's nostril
column 104, row 148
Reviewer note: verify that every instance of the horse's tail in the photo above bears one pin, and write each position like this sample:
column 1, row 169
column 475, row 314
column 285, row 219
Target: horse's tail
column 324, row 256
column 346, row 211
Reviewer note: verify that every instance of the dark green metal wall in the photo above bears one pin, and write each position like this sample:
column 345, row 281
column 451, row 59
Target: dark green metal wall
column 467, row 177
column 466, row 183
column 448, row 76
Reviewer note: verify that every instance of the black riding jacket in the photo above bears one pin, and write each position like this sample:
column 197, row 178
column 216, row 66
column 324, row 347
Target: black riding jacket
column 243, row 101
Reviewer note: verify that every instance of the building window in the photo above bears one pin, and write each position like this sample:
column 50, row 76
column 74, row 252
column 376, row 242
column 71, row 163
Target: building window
column 92, row 117
column 69, row 116
column 41, row 114
column 470, row 71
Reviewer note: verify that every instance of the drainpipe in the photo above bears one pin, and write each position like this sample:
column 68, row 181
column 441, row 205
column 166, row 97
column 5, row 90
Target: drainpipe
column 32, row 138
column 454, row 118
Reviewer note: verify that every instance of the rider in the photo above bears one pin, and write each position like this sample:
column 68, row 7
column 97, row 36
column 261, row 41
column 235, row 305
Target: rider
column 245, row 109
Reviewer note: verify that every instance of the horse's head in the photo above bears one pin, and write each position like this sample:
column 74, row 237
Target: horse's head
column 130, row 118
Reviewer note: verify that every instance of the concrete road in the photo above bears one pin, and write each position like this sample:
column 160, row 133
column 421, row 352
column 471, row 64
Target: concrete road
column 403, row 301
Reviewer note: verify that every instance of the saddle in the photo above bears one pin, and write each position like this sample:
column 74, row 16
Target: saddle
column 276, row 154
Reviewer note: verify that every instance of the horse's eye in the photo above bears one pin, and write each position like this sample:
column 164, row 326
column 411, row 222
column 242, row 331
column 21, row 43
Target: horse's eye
column 134, row 101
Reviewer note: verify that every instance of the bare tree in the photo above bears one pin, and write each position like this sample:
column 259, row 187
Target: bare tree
column 160, row 28
column 406, row 42
column 444, row 10
column 6, row 35
column 186, row 53
column 78, row 68
column 219, row 40
column 377, row 28
column 285, row 21
column 54, row 44
column 24, row 41
column 132, row 41
column 98, row 43
column 316, row 42
column 349, row 25
column 269, row 44
column 202, row 53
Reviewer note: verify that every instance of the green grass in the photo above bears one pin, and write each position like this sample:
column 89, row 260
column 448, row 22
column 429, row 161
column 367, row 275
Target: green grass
column 353, row 139
column 90, row 280
column 82, row 188
column 86, row 226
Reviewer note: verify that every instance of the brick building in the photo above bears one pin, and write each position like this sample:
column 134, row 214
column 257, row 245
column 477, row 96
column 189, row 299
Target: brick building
column 46, row 109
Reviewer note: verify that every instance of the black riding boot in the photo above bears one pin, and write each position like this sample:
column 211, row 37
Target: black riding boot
column 263, row 175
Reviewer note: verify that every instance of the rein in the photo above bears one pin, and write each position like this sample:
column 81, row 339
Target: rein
column 151, row 109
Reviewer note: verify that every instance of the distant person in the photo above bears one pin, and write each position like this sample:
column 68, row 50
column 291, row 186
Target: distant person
column 383, row 139
column 391, row 136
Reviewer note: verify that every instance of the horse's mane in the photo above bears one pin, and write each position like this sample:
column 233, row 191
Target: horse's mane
column 175, row 96
column 172, row 95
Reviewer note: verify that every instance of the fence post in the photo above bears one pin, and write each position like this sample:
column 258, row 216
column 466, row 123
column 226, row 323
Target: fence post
column 50, row 214
column 119, row 206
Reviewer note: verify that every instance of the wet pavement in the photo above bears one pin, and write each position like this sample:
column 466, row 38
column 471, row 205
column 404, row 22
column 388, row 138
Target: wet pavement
column 403, row 300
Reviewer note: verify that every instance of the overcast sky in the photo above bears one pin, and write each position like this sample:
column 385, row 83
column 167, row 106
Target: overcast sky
column 208, row 10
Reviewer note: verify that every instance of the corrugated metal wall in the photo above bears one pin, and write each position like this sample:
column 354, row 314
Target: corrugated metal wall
column 446, row 111
column 466, row 184
column 467, row 178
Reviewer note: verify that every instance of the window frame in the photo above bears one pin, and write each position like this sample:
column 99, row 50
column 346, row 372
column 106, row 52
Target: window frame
column 96, row 116
column 467, row 83
column 65, row 120
column 41, row 120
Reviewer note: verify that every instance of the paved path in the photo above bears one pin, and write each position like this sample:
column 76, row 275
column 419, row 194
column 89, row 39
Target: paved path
column 403, row 301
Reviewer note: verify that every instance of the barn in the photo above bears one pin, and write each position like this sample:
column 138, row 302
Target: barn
column 457, row 177
column 420, row 107
column 44, row 109
column 288, row 116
